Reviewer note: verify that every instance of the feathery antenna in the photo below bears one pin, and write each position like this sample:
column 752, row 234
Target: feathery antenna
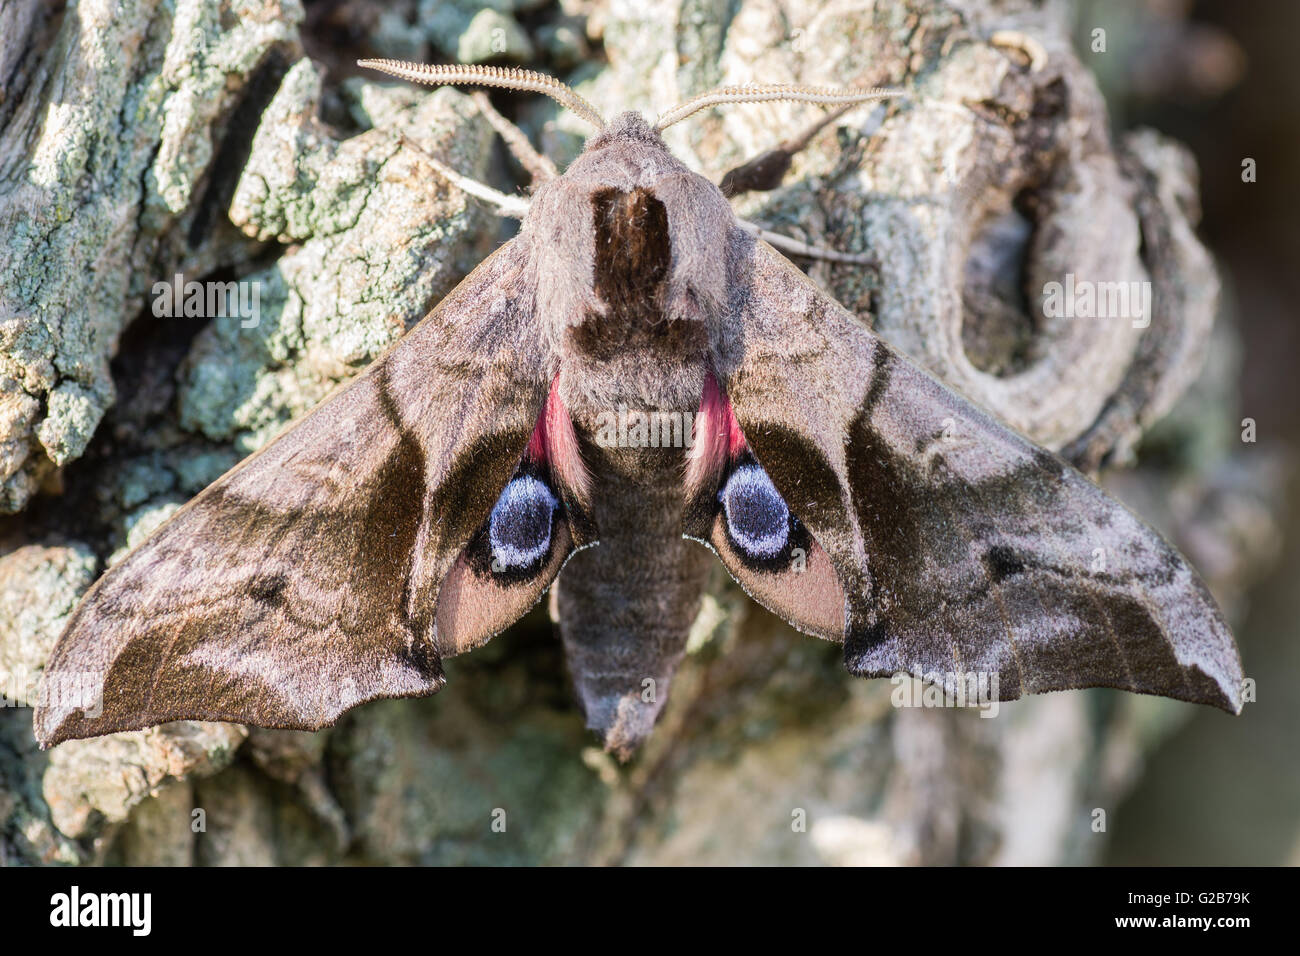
column 453, row 74
column 763, row 93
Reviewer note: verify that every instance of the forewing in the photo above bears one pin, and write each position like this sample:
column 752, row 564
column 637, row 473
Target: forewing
column 305, row 580
column 961, row 546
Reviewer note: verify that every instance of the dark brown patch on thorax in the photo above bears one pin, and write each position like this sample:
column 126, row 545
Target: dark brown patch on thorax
column 631, row 277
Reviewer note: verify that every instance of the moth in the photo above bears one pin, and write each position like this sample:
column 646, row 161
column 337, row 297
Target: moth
column 427, row 505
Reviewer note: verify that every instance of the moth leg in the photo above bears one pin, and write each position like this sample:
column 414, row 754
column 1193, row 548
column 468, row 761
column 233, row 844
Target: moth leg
column 539, row 167
column 513, row 206
column 765, row 171
column 798, row 248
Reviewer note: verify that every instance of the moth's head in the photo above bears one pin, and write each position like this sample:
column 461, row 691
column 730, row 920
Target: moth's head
column 625, row 152
column 629, row 128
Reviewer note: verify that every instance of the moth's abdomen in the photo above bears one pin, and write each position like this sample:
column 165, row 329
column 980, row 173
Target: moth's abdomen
column 626, row 607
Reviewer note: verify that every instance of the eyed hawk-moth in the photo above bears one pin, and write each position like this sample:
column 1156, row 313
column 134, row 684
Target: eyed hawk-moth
column 429, row 503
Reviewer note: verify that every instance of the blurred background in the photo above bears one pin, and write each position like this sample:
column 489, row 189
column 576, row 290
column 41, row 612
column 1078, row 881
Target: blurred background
column 1221, row 77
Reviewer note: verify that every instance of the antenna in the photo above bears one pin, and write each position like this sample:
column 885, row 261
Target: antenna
column 763, row 93
column 455, row 74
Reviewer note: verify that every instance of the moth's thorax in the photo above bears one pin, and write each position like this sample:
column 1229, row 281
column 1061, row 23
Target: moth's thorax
column 630, row 248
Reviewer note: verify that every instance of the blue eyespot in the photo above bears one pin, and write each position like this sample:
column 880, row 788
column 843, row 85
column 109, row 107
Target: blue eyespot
column 758, row 519
column 519, row 529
